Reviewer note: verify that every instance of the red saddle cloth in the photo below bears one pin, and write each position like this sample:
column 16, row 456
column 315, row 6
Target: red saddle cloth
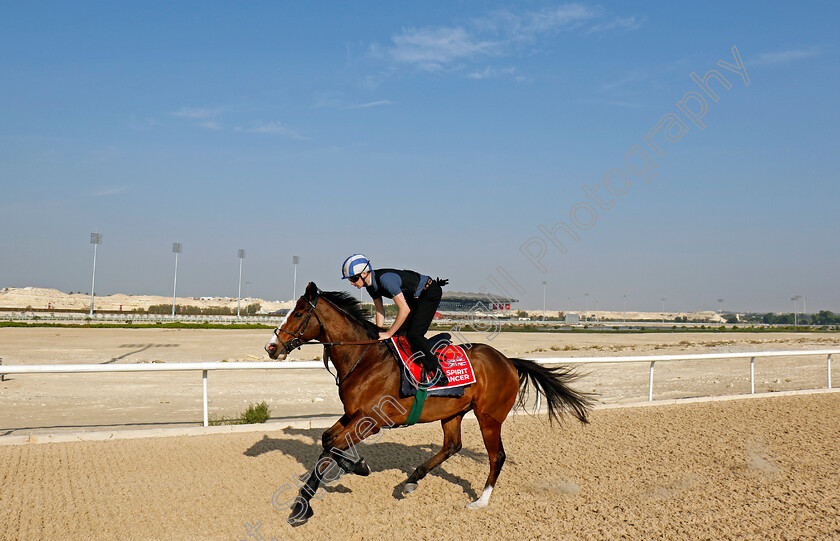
column 453, row 360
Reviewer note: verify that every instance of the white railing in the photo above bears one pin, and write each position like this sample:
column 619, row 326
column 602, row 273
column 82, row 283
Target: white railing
column 652, row 359
column 204, row 367
column 309, row 365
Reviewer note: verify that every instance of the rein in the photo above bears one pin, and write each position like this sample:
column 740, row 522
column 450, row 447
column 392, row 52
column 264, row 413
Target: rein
column 339, row 381
column 358, row 343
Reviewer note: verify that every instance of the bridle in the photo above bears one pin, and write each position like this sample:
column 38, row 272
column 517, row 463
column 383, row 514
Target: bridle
column 297, row 336
column 297, row 340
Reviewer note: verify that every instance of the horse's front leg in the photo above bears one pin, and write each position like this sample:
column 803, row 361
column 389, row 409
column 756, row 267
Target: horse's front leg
column 301, row 510
column 328, row 440
column 339, row 456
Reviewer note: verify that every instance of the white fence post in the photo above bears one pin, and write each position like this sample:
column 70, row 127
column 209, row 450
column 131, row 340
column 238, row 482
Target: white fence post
column 752, row 375
column 829, row 370
column 650, row 384
column 204, row 384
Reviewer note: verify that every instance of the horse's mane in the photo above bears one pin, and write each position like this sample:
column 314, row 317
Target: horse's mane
column 351, row 306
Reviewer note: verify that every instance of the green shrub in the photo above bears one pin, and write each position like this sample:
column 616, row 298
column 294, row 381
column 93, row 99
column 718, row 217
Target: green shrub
column 256, row 414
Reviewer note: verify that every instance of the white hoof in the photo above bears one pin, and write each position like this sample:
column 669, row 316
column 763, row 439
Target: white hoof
column 483, row 500
column 409, row 488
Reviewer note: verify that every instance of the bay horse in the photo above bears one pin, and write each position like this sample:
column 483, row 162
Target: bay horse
column 368, row 379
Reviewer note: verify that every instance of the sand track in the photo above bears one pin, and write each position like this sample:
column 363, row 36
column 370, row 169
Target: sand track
column 761, row 468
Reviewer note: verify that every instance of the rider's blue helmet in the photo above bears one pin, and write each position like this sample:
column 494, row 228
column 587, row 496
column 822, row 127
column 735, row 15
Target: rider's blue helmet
column 355, row 265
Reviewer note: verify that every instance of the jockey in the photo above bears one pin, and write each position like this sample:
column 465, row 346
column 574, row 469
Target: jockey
column 417, row 297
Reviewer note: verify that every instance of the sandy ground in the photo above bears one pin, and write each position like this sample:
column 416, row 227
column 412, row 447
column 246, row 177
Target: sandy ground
column 761, row 468
column 32, row 403
column 757, row 468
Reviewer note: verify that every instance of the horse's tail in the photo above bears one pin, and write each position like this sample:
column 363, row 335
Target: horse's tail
column 553, row 384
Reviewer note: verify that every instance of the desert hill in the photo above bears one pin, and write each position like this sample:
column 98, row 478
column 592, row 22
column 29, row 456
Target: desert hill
column 44, row 299
column 38, row 298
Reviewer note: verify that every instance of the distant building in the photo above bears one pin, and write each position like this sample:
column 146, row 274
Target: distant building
column 572, row 319
column 456, row 302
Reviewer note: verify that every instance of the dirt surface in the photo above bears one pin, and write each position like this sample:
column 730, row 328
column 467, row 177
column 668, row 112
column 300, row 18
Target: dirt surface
column 38, row 403
column 761, row 468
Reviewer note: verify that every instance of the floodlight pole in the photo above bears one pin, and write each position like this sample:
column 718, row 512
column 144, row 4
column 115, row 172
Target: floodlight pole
column 543, row 300
column 95, row 239
column 176, row 249
column 241, row 254
column 663, row 309
column 295, row 261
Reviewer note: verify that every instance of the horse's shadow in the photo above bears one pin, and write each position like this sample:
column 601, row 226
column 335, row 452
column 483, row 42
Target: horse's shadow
column 379, row 456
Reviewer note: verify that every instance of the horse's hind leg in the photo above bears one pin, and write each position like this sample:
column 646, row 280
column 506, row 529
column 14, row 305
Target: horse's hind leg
column 491, row 430
column 451, row 445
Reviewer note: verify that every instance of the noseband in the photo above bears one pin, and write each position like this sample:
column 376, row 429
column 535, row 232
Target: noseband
column 297, row 336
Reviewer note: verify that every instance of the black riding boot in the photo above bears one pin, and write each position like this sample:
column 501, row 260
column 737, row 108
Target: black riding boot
column 429, row 360
column 432, row 365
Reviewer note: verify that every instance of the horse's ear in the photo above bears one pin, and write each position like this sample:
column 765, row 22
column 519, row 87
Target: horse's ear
column 311, row 291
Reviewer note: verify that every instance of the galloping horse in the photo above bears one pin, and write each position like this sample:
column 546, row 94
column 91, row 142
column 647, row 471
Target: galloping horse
column 368, row 380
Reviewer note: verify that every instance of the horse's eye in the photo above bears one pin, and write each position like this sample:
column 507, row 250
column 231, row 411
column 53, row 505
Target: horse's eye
column 298, row 314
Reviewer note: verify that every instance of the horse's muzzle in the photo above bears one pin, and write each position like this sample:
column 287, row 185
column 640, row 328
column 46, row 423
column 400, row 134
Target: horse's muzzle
column 273, row 351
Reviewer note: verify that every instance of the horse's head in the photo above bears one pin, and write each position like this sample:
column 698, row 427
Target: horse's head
column 301, row 325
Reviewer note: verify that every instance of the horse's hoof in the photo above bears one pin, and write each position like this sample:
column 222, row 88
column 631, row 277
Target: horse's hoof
column 361, row 468
column 300, row 515
column 483, row 500
column 295, row 522
column 409, row 488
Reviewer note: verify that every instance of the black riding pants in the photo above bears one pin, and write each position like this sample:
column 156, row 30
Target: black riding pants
column 423, row 309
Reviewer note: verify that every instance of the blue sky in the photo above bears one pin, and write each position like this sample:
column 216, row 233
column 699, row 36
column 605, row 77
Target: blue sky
column 439, row 136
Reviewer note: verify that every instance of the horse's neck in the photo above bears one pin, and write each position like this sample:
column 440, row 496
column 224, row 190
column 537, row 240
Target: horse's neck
column 343, row 329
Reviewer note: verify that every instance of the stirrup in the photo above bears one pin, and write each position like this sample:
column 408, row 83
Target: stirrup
column 438, row 378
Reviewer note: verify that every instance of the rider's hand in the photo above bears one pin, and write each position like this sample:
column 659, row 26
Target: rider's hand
column 384, row 336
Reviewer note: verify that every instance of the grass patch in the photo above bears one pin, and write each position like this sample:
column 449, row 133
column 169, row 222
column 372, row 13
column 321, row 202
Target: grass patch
column 441, row 327
column 831, row 329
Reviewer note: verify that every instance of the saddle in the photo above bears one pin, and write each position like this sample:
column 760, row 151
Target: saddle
column 453, row 361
